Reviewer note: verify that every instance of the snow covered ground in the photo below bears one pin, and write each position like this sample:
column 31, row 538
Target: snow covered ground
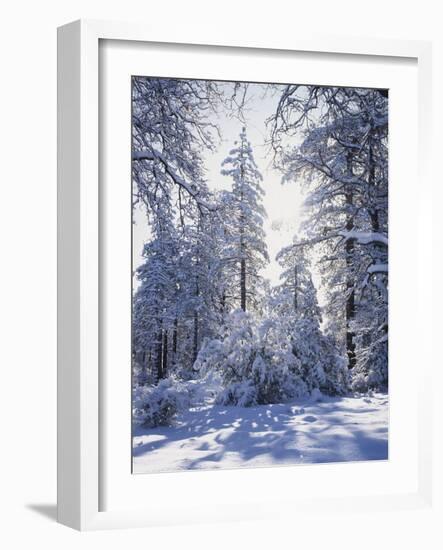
column 210, row 436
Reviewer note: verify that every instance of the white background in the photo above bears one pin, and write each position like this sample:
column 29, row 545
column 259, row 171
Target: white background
column 28, row 274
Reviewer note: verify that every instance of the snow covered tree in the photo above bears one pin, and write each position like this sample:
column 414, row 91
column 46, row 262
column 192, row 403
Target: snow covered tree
column 245, row 237
column 171, row 128
column 294, row 302
column 296, row 280
column 155, row 303
column 200, row 273
column 181, row 278
column 342, row 161
column 254, row 360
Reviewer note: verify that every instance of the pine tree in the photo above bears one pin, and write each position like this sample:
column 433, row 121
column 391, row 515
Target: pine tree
column 245, row 237
column 296, row 280
column 155, row 302
column 295, row 304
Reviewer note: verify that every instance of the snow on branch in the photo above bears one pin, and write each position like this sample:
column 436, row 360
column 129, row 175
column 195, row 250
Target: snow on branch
column 362, row 237
column 378, row 268
column 192, row 190
column 143, row 155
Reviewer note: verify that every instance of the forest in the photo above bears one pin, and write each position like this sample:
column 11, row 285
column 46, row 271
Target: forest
column 231, row 367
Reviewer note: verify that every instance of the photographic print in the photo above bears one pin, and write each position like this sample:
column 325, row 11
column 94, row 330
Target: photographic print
column 260, row 274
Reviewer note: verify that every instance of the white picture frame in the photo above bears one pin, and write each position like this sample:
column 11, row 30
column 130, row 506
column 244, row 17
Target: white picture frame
column 80, row 412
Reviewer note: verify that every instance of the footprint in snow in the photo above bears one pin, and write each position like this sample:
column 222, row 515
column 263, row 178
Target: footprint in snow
column 310, row 418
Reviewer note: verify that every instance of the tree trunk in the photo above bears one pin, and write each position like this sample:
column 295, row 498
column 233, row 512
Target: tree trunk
column 149, row 361
column 174, row 339
column 195, row 339
column 350, row 301
column 242, row 249
column 373, row 214
column 243, row 284
column 165, row 354
column 158, row 355
column 350, row 345
column 295, row 288
column 195, row 342
column 223, row 302
column 144, row 367
column 197, row 295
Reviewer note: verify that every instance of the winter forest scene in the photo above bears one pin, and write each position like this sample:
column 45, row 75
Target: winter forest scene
column 260, row 274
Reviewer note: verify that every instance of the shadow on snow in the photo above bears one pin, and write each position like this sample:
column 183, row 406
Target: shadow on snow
column 329, row 431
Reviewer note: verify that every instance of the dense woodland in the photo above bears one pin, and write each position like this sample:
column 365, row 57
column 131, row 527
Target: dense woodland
column 202, row 311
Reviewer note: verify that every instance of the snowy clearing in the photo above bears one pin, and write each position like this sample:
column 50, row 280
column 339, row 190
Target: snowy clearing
column 334, row 429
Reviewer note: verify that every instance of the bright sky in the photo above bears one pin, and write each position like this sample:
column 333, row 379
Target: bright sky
column 282, row 202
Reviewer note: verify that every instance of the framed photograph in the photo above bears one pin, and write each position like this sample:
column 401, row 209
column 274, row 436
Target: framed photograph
column 230, row 214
